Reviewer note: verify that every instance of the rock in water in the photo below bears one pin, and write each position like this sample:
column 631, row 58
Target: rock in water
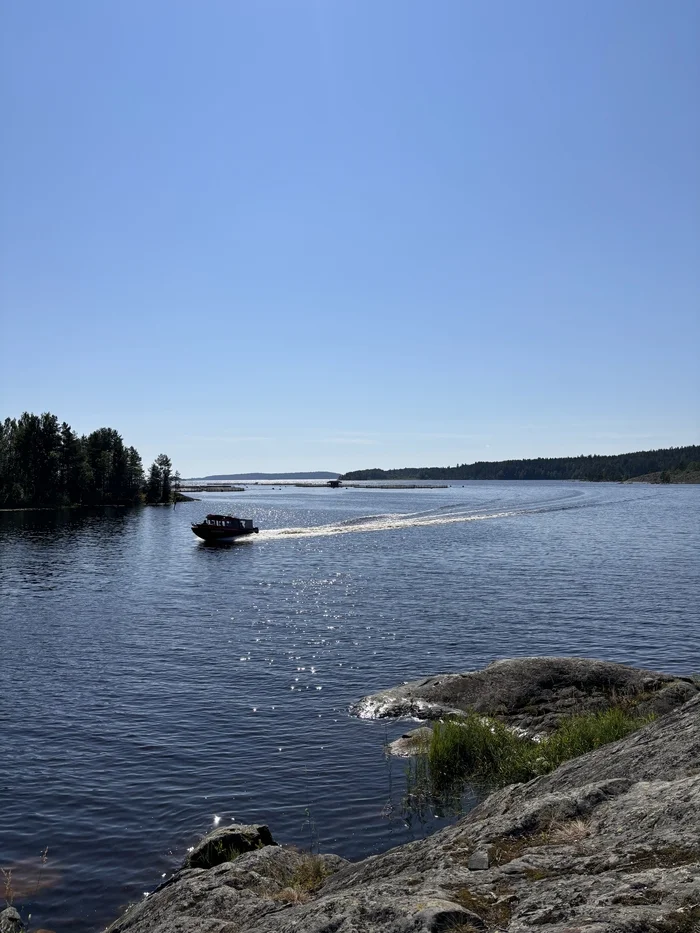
column 410, row 743
column 10, row 921
column 533, row 694
column 224, row 844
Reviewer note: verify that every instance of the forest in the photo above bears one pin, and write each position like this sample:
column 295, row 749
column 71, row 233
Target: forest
column 595, row 467
column 43, row 462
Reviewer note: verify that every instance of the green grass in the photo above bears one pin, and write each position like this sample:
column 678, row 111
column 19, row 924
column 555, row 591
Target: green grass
column 483, row 751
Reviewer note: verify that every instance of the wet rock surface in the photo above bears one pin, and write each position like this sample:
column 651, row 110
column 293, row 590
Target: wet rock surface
column 607, row 843
column 532, row 693
column 410, row 743
column 226, row 843
column 10, row 921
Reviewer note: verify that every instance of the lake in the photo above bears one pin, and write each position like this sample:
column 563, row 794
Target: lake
column 152, row 687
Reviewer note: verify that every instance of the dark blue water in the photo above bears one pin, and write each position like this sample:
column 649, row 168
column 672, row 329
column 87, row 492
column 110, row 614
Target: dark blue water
column 151, row 685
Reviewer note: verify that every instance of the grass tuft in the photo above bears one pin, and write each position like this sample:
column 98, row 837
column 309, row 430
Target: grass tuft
column 305, row 880
column 569, row 831
column 478, row 750
column 9, row 889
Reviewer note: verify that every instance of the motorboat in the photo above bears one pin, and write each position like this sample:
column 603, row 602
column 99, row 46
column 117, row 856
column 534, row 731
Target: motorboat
column 223, row 528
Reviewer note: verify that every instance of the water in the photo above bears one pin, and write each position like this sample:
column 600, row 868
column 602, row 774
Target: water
column 151, row 686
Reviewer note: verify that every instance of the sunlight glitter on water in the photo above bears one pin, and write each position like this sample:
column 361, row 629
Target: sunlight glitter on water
column 148, row 681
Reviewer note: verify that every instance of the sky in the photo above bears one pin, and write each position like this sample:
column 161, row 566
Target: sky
column 334, row 234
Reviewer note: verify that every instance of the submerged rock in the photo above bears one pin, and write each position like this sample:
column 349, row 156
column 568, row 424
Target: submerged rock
column 533, row 694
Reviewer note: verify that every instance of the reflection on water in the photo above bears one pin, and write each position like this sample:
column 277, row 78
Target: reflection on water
column 424, row 798
column 24, row 881
column 152, row 686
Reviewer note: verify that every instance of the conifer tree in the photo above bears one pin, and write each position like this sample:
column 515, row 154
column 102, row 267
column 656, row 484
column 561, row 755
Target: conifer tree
column 166, row 468
column 45, row 463
column 154, row 484
column 134, row 474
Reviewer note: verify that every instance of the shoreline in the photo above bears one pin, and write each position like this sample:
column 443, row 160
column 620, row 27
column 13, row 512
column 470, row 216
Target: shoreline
column 650, row 480
column 569, row 847
column 99, row 505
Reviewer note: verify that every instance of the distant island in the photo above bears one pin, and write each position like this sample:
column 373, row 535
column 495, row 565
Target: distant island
column 668, row 465
column 322, row 474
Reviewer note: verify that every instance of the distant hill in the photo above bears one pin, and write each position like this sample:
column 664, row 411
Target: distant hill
column 322, row 474
column 596, row 468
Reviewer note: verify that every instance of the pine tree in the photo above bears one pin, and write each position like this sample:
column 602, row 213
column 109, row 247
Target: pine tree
column 74, row 468
column 43, row 462
column 166, row 469
column 134, row 474
column 154, row 485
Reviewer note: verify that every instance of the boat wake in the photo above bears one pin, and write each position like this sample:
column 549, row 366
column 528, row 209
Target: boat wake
column 390, row 522
column 456, row 513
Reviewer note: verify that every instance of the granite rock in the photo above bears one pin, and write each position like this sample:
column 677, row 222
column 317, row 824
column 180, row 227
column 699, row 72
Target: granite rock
column 532, row 694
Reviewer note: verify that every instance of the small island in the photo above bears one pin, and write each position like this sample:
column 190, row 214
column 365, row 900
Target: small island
column 45, row 464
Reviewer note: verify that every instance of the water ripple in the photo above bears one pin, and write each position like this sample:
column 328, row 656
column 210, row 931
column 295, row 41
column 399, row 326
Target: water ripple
column 151, row 685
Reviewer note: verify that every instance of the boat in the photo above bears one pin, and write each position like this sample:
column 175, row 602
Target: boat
column 223, row 528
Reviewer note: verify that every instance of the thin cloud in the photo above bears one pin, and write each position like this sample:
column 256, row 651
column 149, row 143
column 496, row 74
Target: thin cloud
column 450, row 437
column 359, row 441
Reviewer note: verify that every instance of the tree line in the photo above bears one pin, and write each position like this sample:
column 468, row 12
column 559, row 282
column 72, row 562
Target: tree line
column 45, row 463
column 595, row 467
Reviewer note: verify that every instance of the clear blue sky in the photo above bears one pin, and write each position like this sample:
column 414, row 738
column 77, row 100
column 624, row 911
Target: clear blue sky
column 327, row 234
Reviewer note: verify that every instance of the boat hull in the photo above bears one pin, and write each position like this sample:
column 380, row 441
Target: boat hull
column 222, row 535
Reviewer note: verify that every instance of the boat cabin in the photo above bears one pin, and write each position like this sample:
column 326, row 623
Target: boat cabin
column 228, row 521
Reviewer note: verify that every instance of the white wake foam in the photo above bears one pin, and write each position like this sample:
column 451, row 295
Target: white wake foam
column 382, row 523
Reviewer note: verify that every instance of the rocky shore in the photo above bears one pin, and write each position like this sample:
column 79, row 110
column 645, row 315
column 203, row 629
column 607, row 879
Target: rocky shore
column 607, row 843
column 672, row 476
